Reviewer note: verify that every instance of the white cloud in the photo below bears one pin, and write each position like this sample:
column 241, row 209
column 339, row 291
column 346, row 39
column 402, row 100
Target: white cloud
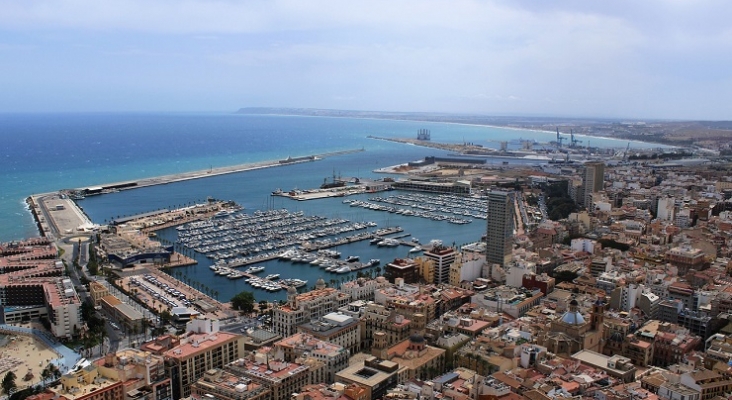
column 651, row 58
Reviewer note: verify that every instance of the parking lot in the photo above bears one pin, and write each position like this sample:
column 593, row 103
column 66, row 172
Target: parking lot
column 157, row 293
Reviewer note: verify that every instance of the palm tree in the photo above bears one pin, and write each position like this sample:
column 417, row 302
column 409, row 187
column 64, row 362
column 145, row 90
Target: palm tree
column 45, row 374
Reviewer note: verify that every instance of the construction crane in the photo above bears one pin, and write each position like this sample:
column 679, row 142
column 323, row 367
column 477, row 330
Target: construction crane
column 572, row 140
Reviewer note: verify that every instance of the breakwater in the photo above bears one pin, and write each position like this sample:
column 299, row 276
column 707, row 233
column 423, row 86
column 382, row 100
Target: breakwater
column 184, row 176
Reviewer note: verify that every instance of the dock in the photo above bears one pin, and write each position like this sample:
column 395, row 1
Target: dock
column 185, row 176
column 311, row 247
column 314, row 194
column 57, row 215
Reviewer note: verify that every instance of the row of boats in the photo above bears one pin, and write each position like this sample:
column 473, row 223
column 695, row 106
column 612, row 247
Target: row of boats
column 474, row 206
column 268, row 283
column 440, row 207
column 327, row 260
column 242, row 238
column 390, row 242
column 222, row 270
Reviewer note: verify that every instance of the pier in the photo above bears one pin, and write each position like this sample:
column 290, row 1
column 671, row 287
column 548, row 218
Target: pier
column 311, row 246
column 58, row 216
column 184, row 176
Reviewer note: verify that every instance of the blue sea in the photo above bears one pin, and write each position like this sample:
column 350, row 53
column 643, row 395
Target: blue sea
column 48, row 152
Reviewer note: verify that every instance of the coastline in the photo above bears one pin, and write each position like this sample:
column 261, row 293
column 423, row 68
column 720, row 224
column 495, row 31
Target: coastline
column 513, row 128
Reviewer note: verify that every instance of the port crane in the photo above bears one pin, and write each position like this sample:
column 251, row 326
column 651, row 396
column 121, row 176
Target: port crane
column 559, row 139
column 572, row 140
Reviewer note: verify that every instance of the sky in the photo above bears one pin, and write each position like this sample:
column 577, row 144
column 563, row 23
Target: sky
column 648, row 59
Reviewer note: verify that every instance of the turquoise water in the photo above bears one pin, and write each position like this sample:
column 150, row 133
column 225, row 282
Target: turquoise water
column 47, row 152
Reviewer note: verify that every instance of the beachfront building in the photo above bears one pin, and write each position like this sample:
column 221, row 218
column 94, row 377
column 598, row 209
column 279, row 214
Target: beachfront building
column 53, row 297
column 203, row 347
column 87, row 383
column 31, row 287
column 305, row 307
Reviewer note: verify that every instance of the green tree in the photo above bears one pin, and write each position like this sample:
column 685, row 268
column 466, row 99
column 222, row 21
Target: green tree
column 46, row 374
column 243, row 301
column 87, row 310
column 92, row 265
column 565, row 276
column 263, row 305
column 9, row 382
column 165, row 317
column 613, row 244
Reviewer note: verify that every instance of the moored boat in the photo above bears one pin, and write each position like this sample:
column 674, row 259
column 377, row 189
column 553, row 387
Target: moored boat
column 254, row 270
column 235, row 275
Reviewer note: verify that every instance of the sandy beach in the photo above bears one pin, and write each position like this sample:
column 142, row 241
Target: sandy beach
column 21, row 354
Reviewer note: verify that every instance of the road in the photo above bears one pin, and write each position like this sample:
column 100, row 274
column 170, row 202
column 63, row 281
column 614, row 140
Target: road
column 542, row 207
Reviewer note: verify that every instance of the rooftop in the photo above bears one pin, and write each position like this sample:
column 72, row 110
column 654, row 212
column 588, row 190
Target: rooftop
column 200, row 343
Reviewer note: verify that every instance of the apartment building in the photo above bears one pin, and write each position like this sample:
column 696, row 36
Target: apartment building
column 203, row 347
